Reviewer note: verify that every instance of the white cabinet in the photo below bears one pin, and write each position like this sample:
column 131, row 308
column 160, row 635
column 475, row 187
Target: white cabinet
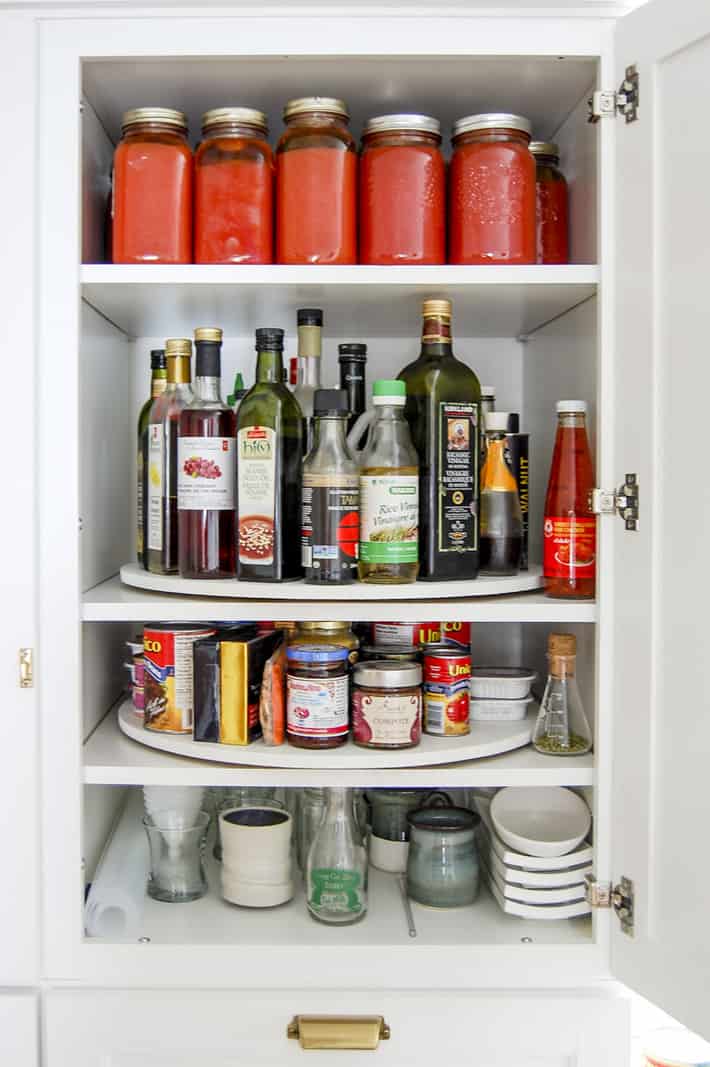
column 621, row 327
column 19, row 1029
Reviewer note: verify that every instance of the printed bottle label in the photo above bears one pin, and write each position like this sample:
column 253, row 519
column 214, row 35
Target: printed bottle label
column 386, row 719
column 156, row 478
column 333, row 890
column 139, row 501
column 458, row 466
column 317, row 707
column 389, row 518
column 256, row 474
column 205, row 473
column 330, row 528
column 569, row 547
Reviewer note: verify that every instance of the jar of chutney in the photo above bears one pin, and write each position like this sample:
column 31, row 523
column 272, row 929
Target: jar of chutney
column 317, row 712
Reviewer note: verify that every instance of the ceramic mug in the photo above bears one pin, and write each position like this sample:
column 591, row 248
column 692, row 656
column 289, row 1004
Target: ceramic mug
column 256, row 856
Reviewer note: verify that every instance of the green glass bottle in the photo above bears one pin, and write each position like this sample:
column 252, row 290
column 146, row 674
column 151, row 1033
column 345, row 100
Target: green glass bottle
column 158, row 385
column 269, row 461
column 443, row 411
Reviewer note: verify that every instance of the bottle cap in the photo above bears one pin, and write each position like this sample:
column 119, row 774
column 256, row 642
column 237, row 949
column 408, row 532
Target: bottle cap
column 352, row 353
column 269, row 338
column 544, row 148
column 305, row 105
column 496, row 421
column 157, row 359
column 330, row 402
column 436, row 309
column 309, row 317
column 327, row 627
column 513, row 422
column 233, row 116
column 317, row 653
column 387, row 391
column 238, row 390
column 488, row 392
column 178, row 346
column 208, row 333
column 562, row 645
column 571, row 407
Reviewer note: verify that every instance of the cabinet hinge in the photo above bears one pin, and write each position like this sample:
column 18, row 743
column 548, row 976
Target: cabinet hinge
column 26, row 656
column 619, row 897
column 605, row 103
column 625, row 502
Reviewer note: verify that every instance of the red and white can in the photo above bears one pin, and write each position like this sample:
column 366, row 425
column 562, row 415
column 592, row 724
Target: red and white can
column 447, row 677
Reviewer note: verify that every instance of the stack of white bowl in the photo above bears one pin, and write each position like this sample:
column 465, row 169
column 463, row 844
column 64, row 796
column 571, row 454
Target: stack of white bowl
column 500, row 694
column 534, row 851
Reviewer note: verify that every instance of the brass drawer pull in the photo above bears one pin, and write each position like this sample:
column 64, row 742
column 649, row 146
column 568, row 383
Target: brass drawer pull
column 339, row 1031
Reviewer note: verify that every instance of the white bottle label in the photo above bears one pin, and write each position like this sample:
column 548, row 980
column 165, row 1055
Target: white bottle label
column 389, row 518
column 205, row 473
column 256, row 473
column 156, row 469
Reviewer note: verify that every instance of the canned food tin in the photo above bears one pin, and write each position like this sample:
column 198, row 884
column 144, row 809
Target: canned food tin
column 422, row 633
column 167, row 660
column 446, row 709
column 446, row 665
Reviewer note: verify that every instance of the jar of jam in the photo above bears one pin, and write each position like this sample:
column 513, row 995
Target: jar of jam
column 234, row 178
column 492, row 191
column 316, row 184
column 402, row 191
column 387, row 704
column 317, row 696
column 552, row 204
column 152, row 188
column 327, row 633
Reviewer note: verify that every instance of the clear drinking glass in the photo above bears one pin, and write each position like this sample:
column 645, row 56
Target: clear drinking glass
column 177, row 846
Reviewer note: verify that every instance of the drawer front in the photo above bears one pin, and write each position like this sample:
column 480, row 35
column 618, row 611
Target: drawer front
column 115, row 1028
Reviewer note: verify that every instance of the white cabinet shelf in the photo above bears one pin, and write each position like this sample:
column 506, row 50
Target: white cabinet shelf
column 111, row 601
column 111, row 758
column 491, row 301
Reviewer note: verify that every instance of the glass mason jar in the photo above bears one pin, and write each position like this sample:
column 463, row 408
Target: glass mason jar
column 316, row 179
column 234, row 179
column 552, row 204
column 402, row 191
column 492, row 191
column 152, row 188
column 327, row 633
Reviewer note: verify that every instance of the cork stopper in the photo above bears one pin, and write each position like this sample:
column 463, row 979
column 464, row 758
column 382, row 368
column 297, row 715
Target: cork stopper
column 562, row 645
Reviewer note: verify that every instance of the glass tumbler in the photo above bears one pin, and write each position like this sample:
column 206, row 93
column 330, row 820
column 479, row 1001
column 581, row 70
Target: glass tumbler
column 177, row 845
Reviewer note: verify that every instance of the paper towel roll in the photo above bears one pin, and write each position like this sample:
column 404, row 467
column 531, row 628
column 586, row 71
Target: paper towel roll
column 114, row 907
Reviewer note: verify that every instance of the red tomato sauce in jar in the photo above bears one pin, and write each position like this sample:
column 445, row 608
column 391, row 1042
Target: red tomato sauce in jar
column 402, row 191
column 152, row 189
column 552, row 204
column 316, row 184
column 492, row 191
column 234, row 179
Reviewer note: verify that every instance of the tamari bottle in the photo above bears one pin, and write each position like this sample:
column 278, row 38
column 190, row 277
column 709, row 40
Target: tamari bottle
column 443, row 398
column 570, row 528
column 562, row 728
column 331, row 496
column 269, row 461
column 501, row 517
column 162, row 519
column 389, row 492
column 337, row 864
column 310, row 331
column 207, row 470
column 158, row 385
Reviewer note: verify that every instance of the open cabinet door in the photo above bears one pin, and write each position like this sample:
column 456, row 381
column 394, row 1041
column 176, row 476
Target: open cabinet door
column 661, row 574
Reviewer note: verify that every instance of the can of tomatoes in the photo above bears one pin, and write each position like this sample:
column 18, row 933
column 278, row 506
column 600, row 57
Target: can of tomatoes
column 168, row 677
column 447, row 678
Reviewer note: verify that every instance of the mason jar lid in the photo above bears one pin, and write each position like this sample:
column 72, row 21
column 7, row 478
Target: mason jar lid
column 387, row 674
column 234, row 116
column 415, row 123
column 303, row 105
column 492, row 120
column 165, row 116
column 544, row 148
column 317, row 653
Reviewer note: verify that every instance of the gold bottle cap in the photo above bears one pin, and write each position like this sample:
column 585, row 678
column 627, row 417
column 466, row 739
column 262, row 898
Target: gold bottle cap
column 562, row 645
column 161, row 116
column 178, row 346
column 208, row 333
column 434, row 309
column 326, row 627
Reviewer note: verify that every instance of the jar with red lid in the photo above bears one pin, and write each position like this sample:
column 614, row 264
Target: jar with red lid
column 492, row 191
column 402, row 191
column 234, row 180
column 152, row 188
column 316, row 184
column 552, row 204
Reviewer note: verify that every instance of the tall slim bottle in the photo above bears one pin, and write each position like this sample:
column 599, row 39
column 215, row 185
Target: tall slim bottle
column 158, row 385
column 269, row 459
column 443, row 411
column 207, row 470
column 162, row 541
column 310, row 344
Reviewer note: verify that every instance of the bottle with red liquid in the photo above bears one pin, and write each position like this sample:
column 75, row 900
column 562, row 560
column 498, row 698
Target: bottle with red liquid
column 207, row 470
column 570, row 528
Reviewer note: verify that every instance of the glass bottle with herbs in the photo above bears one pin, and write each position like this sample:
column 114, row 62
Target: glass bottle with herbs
column 337, row 864
column 443, row 411
column 331, row 496
column 162, row 516
column 269, row 462
column 158, row 385
column 562, row 728
column 389, row 492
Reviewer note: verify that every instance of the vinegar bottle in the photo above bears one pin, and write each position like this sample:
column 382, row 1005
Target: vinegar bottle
column 570, row 529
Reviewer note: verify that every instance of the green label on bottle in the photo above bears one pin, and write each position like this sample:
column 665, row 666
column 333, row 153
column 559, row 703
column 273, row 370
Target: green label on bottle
column 389, row 518
column 335, row 891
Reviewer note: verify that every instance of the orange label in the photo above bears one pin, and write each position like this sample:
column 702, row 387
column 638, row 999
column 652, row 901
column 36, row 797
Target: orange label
column 569, row 547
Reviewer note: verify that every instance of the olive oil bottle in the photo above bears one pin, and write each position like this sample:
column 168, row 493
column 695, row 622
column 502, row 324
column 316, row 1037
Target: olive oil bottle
column 443, row 411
